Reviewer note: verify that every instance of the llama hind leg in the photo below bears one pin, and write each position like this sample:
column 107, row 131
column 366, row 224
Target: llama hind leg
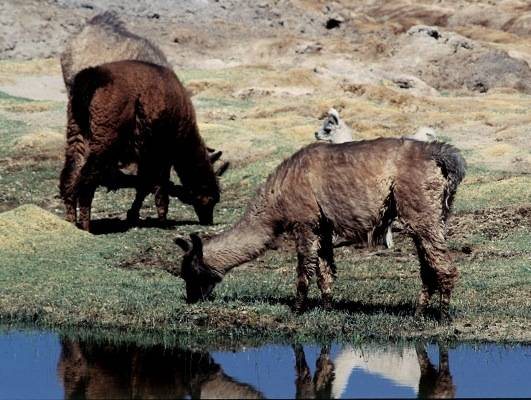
column 86, row 195
column 75, row 159
column 437, row 272
column 90, row 176
column 420, row 210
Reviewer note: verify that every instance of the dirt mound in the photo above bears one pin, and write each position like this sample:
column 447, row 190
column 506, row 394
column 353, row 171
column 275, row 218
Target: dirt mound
column 401, row 16
column 446, row 60
column 509, row 16
column 28, row 227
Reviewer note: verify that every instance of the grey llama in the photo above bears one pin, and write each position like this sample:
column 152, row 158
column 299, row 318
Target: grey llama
column 105, row 39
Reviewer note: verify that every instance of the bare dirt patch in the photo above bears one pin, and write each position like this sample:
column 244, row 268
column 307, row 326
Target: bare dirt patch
column 494, row 223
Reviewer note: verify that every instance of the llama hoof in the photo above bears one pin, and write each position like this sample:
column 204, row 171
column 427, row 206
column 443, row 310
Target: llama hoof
column 327, row 303
column 299, row 308
column 420, row 312
column 445, row 318
column 84, row 225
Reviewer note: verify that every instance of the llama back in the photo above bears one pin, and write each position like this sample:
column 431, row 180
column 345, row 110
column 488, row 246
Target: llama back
column 105, row 39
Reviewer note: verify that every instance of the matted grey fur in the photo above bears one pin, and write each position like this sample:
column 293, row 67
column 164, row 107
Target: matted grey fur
column 105, row 39
column 334, row 129
column 352, row 190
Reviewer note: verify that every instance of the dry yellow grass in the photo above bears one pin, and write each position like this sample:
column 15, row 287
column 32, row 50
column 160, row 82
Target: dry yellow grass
column 27, row 227
column 499, row 150
column 11, row 69
column 32, row 107
column 212, row 87
column 42, row 142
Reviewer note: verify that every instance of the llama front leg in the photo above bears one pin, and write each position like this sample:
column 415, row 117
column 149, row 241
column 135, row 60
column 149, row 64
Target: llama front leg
column 326, row 271
column 307, row 264
column 133, row 215
column 162, row 202
column 162, row 198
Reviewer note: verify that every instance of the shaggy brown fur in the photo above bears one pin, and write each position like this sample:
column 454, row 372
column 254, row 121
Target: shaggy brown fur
column 351, row 189
column 134, row 112
column 105, row 39
column 92, row 371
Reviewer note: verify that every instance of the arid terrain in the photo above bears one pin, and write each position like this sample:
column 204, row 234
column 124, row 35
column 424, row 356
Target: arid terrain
column 262, row 75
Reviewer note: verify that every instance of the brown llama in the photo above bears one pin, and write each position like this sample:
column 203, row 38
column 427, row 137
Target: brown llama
column 105, row 39
column 131, row 112
column 352, row 190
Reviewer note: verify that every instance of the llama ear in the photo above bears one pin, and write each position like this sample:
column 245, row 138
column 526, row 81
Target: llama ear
column 197, row 244
column 221, row 170
column 215, row 156
column 215, row 275
column 182, row 243
column 334, row 114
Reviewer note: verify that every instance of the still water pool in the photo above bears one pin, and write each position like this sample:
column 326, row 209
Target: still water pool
column 44, row 365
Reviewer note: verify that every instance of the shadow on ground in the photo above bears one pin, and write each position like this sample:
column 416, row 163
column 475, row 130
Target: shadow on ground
column 105, row 226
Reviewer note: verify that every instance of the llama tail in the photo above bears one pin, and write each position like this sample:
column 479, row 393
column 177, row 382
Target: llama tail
column 85, row 84
column 453, row 167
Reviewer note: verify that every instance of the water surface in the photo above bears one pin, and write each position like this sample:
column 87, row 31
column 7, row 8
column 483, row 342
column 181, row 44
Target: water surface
column 44, row 365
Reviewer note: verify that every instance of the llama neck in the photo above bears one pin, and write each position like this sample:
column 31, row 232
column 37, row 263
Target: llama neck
column 193, row 165
column 246, row 240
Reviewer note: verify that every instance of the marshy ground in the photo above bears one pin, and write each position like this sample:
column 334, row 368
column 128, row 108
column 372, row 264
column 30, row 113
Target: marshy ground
column 259, row 102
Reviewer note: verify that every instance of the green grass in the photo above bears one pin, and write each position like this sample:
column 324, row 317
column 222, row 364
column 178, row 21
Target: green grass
column 126, row 281
column 88, row 286
column 510, row 191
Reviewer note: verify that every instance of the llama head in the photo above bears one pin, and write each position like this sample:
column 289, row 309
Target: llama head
column 203, row 196
column 333, row 130
column 200, row 278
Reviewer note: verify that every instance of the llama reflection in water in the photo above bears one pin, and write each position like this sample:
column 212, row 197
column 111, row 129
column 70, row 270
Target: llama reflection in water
column 407, row 366
column 103, row 371
column 320, row 387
